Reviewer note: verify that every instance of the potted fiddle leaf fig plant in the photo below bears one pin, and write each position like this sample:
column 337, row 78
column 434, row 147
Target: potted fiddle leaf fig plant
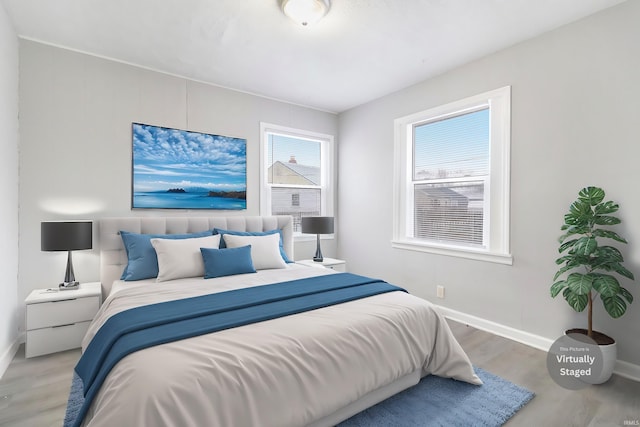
column 589, row 266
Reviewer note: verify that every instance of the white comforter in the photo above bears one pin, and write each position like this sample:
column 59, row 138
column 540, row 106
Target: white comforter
column 289, row 371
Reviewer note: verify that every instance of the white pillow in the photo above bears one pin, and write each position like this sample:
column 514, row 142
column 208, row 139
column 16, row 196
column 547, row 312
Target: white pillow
column 178, row 258
column 265, row 250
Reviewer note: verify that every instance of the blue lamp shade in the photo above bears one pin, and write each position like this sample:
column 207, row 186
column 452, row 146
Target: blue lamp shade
column 66, row 236
column 317, row 225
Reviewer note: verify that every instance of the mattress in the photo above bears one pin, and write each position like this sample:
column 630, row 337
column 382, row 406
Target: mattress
column 289, row 371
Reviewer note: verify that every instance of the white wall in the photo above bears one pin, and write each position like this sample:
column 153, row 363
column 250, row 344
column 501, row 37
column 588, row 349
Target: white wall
column 76, row 112
column 575, row 115
column 8, row 190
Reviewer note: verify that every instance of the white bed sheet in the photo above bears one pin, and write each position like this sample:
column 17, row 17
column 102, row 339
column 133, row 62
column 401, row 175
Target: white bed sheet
column 290, row 371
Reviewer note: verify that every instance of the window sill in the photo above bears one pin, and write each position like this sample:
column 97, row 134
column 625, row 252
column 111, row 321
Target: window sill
column 497, row 258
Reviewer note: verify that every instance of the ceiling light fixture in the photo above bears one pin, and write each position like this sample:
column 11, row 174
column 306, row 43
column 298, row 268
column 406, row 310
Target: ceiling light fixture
column 306, row 12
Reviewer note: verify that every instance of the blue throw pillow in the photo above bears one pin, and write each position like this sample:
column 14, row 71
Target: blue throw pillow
column 142, row 261
column 252, row 233
column 226, row 262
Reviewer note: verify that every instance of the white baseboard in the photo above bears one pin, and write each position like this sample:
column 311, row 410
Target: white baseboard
column 627, row 370
column 9, row 353
column 624, row 369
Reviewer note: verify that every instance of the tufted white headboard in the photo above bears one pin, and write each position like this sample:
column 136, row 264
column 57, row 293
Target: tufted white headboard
column 113, row 257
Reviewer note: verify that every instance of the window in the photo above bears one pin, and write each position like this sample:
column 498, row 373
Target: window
column 451, row 192
column 296, row 173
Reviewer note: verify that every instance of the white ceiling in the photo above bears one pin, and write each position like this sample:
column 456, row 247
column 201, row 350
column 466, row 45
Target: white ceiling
column 362, row 50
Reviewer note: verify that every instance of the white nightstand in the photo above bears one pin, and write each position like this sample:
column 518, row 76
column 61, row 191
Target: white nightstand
column 57, row 320
column 334, row 264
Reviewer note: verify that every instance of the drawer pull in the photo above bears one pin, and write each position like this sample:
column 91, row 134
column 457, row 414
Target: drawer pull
column 62, row 326
column 63, row 300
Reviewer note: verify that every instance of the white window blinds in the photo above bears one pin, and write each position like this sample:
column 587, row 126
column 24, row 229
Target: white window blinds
column 450, row 167
column 453, row 147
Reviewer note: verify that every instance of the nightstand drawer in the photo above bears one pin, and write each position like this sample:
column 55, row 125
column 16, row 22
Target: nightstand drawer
column 51, row 340
column 65, row 312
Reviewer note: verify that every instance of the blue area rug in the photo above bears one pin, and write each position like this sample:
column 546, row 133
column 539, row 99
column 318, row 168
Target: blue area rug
column 436, row 401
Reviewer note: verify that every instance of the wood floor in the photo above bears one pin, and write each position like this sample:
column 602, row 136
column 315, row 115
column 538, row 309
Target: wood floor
column 610, row 404
column 33, row 392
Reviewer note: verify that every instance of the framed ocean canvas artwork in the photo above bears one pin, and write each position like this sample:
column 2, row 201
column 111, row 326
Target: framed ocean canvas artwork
column 180, row 169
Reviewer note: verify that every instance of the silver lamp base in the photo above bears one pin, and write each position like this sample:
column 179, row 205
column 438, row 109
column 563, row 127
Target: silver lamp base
column 68, row 286
column 318, row 256
column 70, row 282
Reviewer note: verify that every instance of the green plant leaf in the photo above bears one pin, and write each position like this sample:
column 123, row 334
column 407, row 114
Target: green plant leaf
column 580, row 209
column 572, row 262
column 591, row 195
column 564, row 259
column 572, row 220
column 626, row 295
column 577, row 302
column 606, row 208
column 563, row 270
column 614, row 305
column 580, row 214
column 606, row 285
column 557, row 287
column 580, row 284
column 619, row 268
column 606, row 220
column 585, row 246
column 608, row 234
column 572, row 230
column 608, row 254
column 566, row 245
column 577, row 218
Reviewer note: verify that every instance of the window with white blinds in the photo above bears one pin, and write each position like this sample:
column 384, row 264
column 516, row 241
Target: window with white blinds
column 450, row 167
column 452, row 178
column 296, row 173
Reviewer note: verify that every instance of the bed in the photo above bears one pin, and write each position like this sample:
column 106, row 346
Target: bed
column 313, row 368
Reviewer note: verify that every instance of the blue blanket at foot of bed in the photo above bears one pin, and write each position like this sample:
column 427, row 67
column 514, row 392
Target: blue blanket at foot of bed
column 143, row 327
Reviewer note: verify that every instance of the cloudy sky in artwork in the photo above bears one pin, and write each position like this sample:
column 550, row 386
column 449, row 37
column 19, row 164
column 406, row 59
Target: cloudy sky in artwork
column 166, row 158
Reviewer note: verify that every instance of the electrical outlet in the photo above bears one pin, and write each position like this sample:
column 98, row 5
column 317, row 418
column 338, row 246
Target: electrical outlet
column 440, row 291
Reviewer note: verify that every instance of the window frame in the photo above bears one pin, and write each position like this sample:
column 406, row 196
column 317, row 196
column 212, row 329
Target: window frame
column 497, row 191
column 326, row 171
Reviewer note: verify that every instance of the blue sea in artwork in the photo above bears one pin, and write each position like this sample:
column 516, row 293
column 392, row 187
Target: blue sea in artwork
column 188, row 200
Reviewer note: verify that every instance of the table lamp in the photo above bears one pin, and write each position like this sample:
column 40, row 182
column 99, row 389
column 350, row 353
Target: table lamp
column 317, row 225
column 66, row 236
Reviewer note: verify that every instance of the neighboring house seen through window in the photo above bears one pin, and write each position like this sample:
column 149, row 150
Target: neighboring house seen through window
column 296, row 173
column 452, row 179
